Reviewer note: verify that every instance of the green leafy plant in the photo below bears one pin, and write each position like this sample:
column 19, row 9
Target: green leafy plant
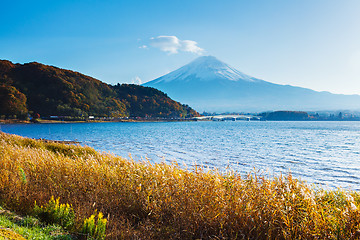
column 55, row 213
column 22, row 175
column 95, row 229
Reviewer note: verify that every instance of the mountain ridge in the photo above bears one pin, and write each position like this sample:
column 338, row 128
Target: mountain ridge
column 48, row 90
column 208, row 84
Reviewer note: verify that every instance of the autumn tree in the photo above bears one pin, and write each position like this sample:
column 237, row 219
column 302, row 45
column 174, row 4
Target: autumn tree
column 12, row 102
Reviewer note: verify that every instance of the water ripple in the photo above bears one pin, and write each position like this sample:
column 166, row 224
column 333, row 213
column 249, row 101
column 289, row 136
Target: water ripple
column 325, row 153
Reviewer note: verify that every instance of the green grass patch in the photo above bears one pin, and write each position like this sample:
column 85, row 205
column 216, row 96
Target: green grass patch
column 29, row 228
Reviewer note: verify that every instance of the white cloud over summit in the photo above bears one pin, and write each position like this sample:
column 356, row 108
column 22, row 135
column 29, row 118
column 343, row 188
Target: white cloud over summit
column 136, row 80
column 172, row 44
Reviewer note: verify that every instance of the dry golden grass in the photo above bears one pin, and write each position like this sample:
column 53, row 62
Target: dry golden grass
column 8, row 234
column 160, row 201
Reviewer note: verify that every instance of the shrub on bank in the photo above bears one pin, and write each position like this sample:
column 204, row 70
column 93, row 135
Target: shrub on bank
column 160, row 201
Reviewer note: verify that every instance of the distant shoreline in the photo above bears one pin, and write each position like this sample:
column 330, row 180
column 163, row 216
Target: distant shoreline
column 15, row 121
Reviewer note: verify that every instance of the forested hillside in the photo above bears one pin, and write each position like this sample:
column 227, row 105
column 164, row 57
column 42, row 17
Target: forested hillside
column 47, row 90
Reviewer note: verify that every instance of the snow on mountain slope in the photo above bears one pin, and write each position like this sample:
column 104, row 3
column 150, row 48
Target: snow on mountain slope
column 205, row 68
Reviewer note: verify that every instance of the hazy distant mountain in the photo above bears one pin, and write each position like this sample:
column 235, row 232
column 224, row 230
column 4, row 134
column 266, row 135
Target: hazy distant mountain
column 211, row 85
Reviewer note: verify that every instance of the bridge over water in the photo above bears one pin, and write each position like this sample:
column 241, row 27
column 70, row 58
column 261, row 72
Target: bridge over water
column 231, row 118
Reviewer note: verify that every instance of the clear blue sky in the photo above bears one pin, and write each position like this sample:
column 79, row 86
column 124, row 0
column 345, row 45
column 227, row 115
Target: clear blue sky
column 308, row 43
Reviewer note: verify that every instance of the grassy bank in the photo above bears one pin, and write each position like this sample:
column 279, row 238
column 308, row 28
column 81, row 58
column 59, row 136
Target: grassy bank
column 160, row 201
column 15, row 227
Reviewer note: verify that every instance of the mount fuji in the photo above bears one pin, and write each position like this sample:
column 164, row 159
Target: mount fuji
column 208, row 84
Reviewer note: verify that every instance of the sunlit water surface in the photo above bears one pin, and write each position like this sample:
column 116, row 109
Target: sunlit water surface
column 325, row 153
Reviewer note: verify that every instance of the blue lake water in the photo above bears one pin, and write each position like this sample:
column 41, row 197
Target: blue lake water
column 325, row 153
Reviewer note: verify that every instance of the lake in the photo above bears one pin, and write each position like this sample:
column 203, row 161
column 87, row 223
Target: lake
column 325, row 153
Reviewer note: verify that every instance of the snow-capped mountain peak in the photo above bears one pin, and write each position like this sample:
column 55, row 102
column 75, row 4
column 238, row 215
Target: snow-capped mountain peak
column 205, row 68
